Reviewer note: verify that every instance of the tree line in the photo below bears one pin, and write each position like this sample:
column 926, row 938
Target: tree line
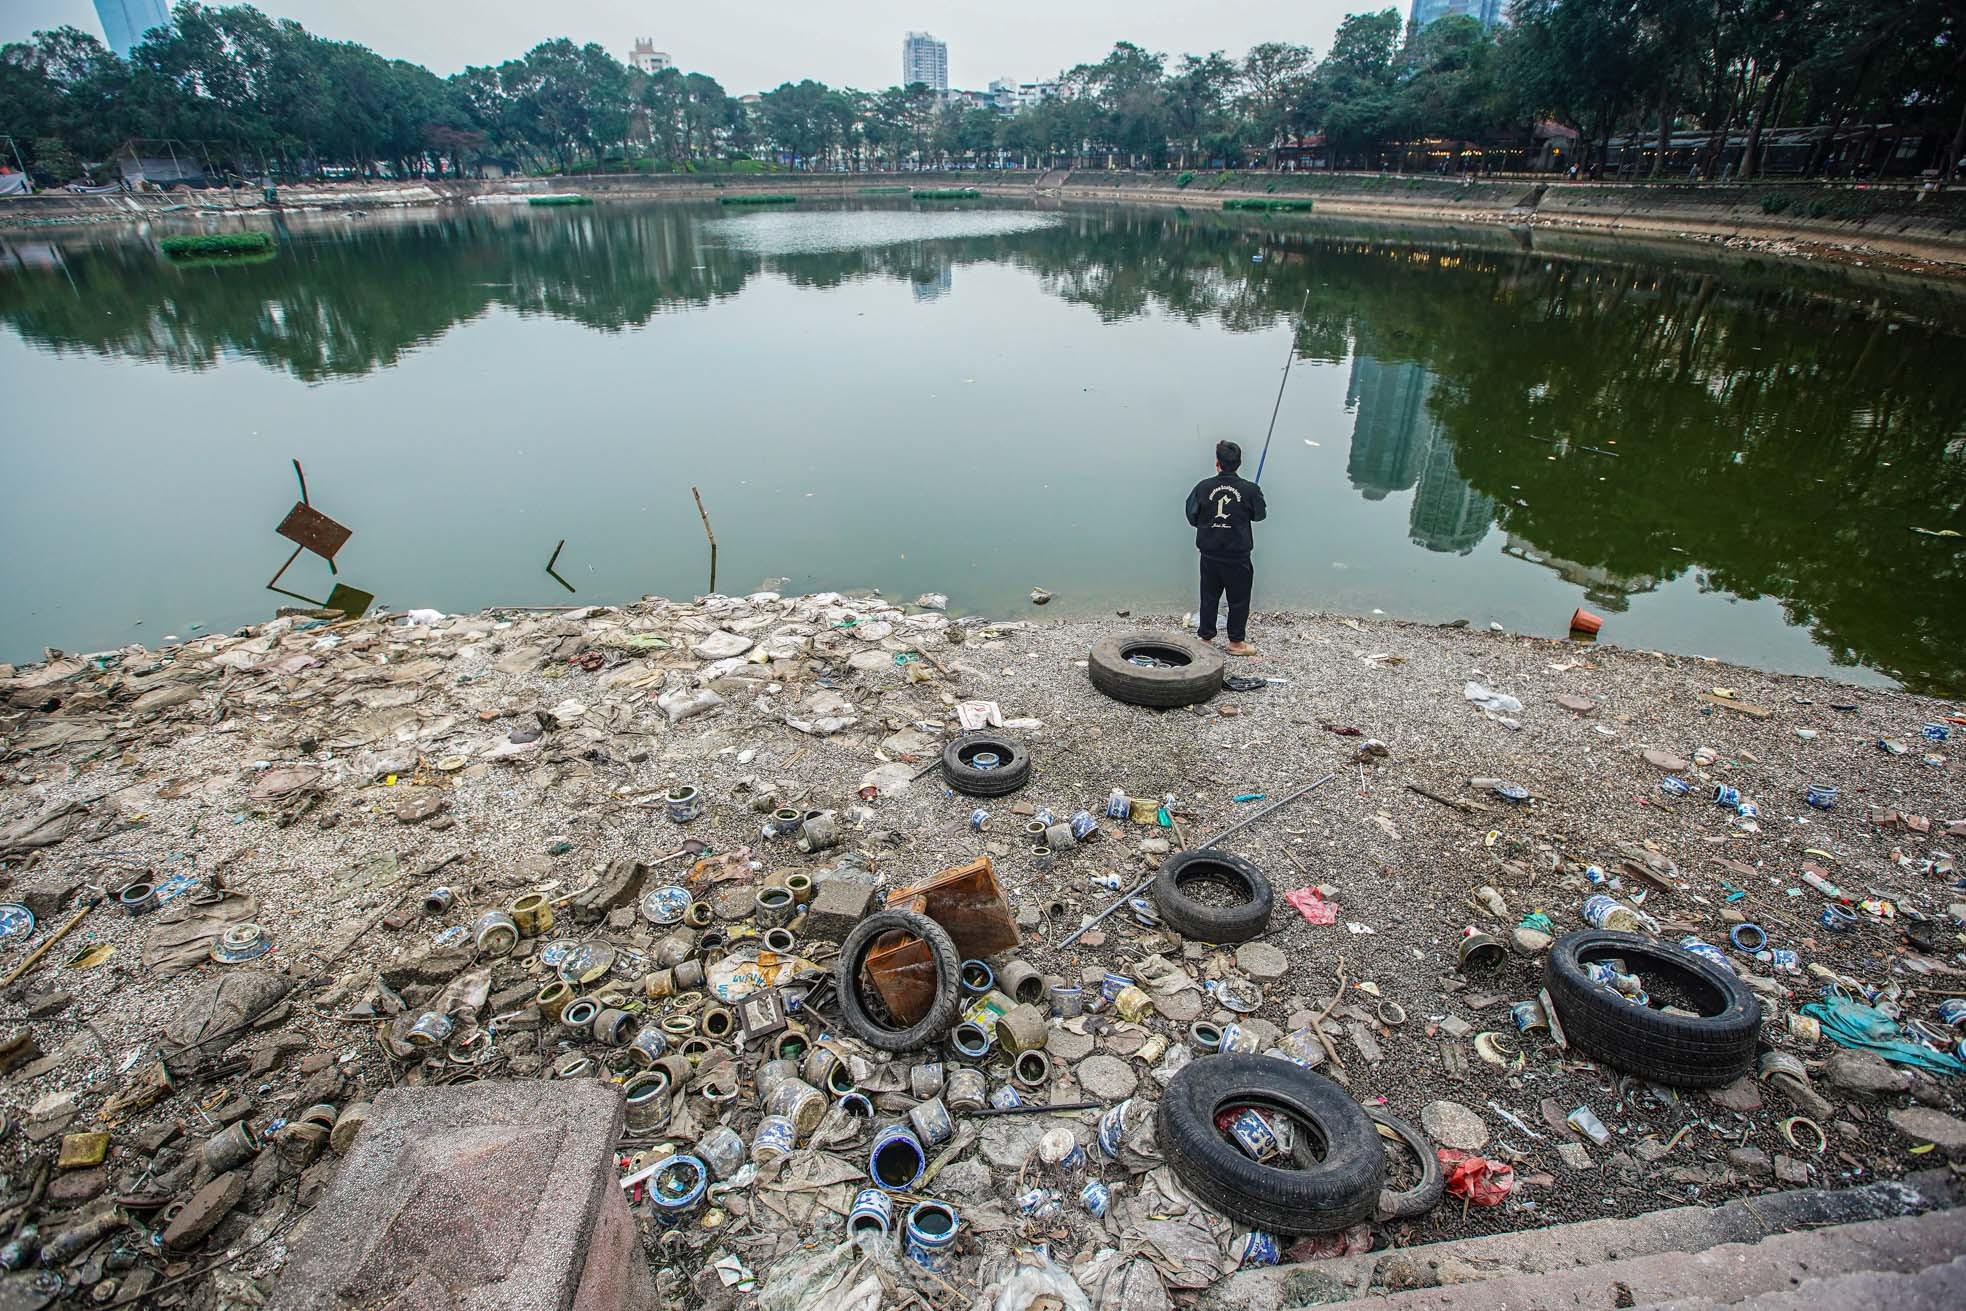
column 263, row 96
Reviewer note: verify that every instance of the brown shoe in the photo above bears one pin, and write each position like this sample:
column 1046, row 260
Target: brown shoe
column 1240, row 649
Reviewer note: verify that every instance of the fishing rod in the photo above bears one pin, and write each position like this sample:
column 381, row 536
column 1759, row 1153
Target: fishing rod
column 1288, row 360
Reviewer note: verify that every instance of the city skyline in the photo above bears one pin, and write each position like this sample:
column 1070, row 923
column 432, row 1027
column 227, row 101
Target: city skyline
column 781, row 41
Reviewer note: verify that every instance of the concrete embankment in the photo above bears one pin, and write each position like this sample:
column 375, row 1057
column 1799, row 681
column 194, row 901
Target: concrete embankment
column 1896, row 222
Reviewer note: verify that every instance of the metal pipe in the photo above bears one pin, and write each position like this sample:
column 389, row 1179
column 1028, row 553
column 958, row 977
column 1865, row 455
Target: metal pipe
column 1034, row 1108
column 1144, row 884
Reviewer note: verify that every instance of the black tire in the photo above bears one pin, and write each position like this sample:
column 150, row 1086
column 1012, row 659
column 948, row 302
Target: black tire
column 1714, row 1048
column 1196, row 676
column 1322, row 1196
column 1004, row 779
column 948, row 981
column 1249, row 918
column 1422, row 1197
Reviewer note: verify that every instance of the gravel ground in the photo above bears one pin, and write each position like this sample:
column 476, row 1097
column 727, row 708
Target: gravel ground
column 187, row 758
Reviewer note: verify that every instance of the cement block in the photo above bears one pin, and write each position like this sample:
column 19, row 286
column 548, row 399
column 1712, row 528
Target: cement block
column 495, row 1196
column 838, row 905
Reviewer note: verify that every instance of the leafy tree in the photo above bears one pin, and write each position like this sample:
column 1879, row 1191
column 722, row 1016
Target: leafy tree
column 1352, row 92
column 1197, row 97
column 1275, row 76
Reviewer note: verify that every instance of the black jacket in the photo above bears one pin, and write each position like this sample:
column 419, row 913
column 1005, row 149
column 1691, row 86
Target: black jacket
column 1221, row 508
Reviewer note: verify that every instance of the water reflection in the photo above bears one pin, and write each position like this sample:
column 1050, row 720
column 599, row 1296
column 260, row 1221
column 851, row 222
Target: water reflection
column 1759, row 430
column 1398, row 445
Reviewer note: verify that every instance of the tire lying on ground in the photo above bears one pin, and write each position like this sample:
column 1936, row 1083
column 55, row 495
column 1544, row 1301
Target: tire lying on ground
column 872, row 1025
column 1715, row 1047
column 1011, row 772
column 1190, row 670
column 1423, row 1196
column 1190, row 918
column 1335, row 1178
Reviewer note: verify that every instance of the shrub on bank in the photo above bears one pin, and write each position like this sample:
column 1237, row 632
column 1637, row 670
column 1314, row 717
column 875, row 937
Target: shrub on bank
column 559, row 200
column 1269, row 203
column 211, row 244
column 947, row 193
column 772, row 198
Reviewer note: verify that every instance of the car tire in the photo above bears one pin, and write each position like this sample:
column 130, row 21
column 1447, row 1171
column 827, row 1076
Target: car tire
column 1705, row 1051
column 1423, row 1196
column 1195, row 677
column 1190, row 918
column 1000, row 781
column 854, row 1011
column 1321, row 1195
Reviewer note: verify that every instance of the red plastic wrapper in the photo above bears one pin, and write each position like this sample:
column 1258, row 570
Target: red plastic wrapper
column 1313, row 907
column 1476, row 1178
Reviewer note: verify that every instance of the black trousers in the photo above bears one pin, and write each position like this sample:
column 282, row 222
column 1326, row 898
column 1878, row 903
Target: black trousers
column 1233, row 577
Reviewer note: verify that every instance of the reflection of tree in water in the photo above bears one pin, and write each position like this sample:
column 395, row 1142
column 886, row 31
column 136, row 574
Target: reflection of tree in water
column 343, row 304
column 1766, row 426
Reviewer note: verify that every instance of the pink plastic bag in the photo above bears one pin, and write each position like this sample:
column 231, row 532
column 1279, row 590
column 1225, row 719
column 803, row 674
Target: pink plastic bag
column 1313, row 907
column 1476, row 1178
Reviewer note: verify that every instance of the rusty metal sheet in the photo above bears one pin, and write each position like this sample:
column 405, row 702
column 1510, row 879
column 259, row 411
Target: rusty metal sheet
column 902, row 971
column 969, row 903
column 315, row 531
column 353, row 602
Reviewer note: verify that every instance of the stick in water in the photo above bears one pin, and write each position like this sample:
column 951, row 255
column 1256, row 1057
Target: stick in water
column 705, row 516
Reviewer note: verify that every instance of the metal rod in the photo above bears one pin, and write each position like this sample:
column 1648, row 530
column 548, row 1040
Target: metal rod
column 1035, row 1109
column 1269, row 809
column 555, row 559
column 1145, row 883
column 1288, row 360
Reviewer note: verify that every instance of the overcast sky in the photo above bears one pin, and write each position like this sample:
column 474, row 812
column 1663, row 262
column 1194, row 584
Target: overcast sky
column 756, row 45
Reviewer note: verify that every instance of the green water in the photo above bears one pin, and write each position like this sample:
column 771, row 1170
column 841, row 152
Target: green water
column 1719, row 456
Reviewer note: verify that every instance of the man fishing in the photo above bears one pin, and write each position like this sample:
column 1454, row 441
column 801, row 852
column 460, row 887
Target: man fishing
column 1221, row 509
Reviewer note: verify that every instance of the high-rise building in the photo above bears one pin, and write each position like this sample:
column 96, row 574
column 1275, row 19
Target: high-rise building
column 125, row 22
column 924, row 59
column 1487, row 12
column 646, row 57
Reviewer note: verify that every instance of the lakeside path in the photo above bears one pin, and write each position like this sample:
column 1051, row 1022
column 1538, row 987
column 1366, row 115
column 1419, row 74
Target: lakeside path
column 333, row 772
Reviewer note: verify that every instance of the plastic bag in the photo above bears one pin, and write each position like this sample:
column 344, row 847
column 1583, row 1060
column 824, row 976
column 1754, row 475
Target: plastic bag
column 1035, row 1281
column 1475, row 1178
column 1489, row 699
column 1851, row 1024
column 815, row 1280
column 1313, row 907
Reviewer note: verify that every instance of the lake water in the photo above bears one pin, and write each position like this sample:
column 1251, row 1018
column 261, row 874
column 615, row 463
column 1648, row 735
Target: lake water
column 1719, row 456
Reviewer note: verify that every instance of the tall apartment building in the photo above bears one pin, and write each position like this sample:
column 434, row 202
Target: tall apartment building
column 1488, row 12
column 646, row 57
column 924, row 59
column 124, row 22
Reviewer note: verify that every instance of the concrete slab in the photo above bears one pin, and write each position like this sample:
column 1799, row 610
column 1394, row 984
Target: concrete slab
column 1586, row 1243
column 1938, row 1288
column 495, row 1196
column 1724, row 1275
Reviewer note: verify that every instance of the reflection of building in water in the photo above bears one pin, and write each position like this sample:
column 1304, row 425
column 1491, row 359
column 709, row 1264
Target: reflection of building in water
column 1397, row 445
column 930, row 284
column 1608, row 591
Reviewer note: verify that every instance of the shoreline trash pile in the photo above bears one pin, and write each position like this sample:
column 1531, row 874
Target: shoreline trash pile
column 901, row 1003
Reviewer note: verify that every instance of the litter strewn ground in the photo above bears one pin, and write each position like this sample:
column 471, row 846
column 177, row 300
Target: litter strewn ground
column 318, row 779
